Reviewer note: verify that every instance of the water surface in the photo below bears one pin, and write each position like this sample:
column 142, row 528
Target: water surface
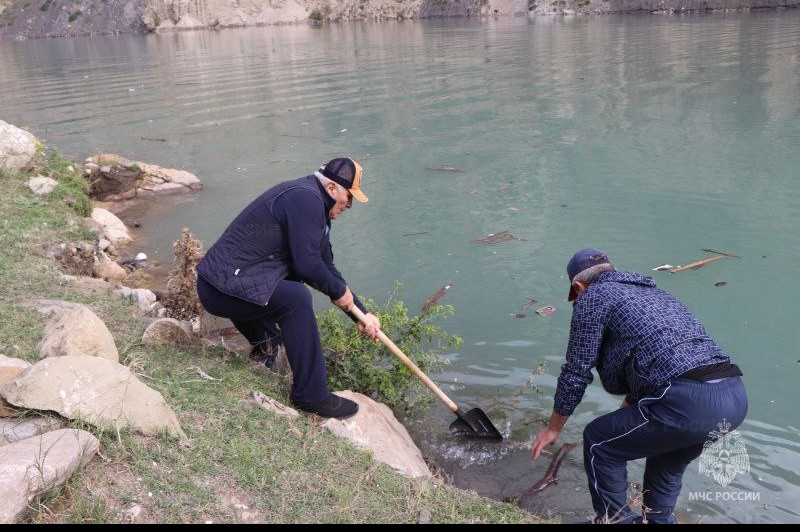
column 651, row 137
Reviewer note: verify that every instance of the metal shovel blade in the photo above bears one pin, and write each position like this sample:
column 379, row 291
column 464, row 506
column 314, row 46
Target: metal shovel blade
column 474, row 424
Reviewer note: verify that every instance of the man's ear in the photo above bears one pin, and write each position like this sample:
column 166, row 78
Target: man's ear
column 580, row 287
column 331, row 188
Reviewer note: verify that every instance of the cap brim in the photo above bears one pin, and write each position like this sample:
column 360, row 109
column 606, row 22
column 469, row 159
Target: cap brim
column 358, row 195
column 572, row 293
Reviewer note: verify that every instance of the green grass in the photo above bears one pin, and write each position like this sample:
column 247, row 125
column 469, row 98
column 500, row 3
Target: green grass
column 243, row 464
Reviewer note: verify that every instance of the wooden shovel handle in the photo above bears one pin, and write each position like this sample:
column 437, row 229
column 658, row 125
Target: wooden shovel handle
column 355, row 311
column 697, row 264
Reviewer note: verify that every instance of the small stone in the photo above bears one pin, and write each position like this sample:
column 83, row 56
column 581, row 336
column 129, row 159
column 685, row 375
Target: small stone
column 424, row 516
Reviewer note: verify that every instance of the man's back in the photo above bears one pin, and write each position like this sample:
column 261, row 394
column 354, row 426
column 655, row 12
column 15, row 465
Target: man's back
column 647, row 336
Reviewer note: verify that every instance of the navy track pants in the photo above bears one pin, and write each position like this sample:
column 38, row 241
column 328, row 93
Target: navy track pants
column 669, row 429
column 287, row 319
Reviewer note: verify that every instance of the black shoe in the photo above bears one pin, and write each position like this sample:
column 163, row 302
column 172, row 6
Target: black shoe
column 332, row 406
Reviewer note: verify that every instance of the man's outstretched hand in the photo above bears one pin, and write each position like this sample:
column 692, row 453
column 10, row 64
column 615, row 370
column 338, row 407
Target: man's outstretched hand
column 546, row 437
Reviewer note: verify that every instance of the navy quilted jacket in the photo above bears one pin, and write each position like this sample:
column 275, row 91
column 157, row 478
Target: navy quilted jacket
column 284, row 233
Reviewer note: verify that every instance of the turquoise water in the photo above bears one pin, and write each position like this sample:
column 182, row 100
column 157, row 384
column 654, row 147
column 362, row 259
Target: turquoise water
column 651, row 137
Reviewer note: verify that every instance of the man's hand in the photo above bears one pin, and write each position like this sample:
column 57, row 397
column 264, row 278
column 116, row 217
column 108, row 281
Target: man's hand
column 346, row 301
column 372, row 326
column 548, row 435
column 543, row 439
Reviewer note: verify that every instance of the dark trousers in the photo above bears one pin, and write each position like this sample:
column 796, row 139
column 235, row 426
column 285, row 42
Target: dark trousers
column 669, row 428
column 289, row 319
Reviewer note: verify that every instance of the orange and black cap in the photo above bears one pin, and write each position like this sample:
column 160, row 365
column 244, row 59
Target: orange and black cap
column 346, row 172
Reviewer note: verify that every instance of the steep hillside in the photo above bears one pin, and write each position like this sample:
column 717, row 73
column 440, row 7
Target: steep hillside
column 24, row 19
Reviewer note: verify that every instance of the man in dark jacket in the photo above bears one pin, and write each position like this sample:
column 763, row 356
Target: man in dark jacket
column 679, row 387
column 255, row 275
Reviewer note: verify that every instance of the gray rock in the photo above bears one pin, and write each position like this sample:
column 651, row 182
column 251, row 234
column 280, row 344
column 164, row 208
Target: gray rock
column 168, row 331
column 375, row 428
column 36, row 465
column 12, row 430
column 42, row 186
column 144, row 298
column 17, row 148
column 96, row 390
column 77, row 331
column 111, row 227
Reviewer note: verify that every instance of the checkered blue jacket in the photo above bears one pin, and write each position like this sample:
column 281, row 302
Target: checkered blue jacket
column 635, row 335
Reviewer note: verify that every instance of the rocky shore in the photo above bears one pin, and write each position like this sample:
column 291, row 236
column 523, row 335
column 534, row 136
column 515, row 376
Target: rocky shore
column 25, row 19
column 82, row 373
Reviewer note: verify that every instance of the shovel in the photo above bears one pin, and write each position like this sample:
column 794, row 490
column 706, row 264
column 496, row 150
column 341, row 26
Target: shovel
column 473, row 424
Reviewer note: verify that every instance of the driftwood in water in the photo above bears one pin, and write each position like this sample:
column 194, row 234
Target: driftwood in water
column 431, row 301
column 443, row 169
column 697, row 264
column 525, row 500
column 495, row 238
column 707, row 250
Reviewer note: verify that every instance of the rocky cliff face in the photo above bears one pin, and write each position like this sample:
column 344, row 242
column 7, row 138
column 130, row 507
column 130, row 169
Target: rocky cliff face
column 24, row 19
column 21, row 19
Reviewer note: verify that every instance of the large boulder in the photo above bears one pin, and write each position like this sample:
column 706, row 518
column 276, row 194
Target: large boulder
column 169, row 331
column 115, row 178
column 34, row 466
column 17, row 148
column 96, row 390
column 375, row 428
column 110, row 227
column 77, row 331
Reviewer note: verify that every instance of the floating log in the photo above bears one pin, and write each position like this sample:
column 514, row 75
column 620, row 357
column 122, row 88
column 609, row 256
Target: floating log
column 495, row 238
column 443, row 169
column 525, row 500
column 696, row 265
column 707, row 250
column 431, row 301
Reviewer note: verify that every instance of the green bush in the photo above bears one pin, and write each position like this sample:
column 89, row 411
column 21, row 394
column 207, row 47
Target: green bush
column 357, row 363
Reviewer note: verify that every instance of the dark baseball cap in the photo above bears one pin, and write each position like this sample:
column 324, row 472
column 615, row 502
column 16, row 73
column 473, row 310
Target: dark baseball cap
column 583, row 260
column 346, row 172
